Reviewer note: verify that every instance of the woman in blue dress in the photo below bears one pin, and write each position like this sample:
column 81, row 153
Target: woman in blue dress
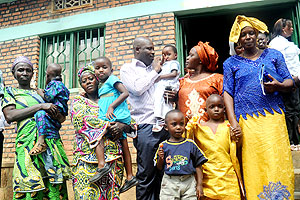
column 255, row 109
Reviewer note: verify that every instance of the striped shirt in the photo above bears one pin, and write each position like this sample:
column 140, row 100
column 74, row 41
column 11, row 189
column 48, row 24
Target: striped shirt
column 139, row 80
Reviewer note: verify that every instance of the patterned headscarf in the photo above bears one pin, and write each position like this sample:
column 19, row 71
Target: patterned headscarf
column 88, row 68
column 21, row 59
column 207, row 55
column 243, row 21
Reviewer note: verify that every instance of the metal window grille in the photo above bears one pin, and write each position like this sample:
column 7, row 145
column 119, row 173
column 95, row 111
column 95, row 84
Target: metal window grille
column 70, row 4
column 72, row 51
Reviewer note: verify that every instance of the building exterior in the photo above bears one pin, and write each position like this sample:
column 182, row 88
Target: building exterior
column 75, row 32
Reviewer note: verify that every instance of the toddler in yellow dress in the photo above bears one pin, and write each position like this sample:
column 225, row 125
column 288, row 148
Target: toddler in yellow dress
column 221, row 173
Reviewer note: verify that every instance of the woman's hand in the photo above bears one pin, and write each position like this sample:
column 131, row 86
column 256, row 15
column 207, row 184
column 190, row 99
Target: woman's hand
column 170, row 96
column 235, row 131
column 116, row 130
column 50, row 108
column 272, row 86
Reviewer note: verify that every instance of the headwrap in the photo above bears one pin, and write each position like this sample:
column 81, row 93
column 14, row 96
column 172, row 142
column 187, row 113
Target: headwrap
column 88, row 68
column 21, row 59
column 207, row 55
column 243, row 21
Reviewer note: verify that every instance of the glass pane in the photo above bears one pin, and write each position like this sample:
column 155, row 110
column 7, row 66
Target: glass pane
column 90, row 45
column 58, row 51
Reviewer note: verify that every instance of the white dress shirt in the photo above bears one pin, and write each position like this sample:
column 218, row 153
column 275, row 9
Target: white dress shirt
column 290, row 52
column 139, row 80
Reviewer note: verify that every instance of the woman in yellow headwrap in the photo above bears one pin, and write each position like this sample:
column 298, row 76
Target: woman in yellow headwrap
column 202, row 82
column 255, row 109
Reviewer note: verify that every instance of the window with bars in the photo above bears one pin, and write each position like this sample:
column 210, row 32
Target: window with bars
column 72, row 51
column 59, row 5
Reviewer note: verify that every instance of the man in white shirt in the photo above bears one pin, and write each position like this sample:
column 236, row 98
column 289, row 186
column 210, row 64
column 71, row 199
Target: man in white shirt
column 139, row 77
column 283, row 30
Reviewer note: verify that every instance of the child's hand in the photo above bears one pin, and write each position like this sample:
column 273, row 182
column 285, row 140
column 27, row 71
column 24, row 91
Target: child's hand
column 199, row 191
column 161, row 152
column 110, row 113
column 235, row 132
column 40, row 92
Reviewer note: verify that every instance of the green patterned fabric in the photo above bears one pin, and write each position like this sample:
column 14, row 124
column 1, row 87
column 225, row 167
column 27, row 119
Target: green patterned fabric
column 42, row 176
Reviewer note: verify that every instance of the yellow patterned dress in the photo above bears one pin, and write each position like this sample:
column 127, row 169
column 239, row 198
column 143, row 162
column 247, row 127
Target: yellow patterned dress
column 89, row 131
column 221, row 171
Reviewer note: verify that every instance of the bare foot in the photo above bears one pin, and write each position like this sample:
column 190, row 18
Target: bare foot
column 38, row 148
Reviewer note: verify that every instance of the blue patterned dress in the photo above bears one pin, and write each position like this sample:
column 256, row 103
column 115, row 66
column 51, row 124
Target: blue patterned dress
column 58, row 94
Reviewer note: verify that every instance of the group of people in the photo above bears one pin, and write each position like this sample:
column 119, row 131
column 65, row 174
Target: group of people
column 203, row 136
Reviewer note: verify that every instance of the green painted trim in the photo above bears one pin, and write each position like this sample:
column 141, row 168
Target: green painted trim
column 41, row 62
column 6, row 1
column 104, row 34
column 71, row 66
column 99, row 18
column 179, row 45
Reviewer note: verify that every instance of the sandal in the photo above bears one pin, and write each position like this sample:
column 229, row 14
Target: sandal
column 101, row 172
column 129, row 184
column 38, row 148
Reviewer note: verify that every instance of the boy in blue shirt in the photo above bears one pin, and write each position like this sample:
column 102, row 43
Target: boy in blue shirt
column 181, row 160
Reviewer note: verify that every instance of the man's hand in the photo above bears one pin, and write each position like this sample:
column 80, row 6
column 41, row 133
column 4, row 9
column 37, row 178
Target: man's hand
column 156, row 64
column 170, row 96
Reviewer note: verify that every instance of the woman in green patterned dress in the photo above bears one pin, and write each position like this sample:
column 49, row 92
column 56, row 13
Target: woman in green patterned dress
column 41, row 176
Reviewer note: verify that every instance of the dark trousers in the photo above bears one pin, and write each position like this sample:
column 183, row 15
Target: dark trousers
column 1, row 150
column 292, row 106
column 148, row 175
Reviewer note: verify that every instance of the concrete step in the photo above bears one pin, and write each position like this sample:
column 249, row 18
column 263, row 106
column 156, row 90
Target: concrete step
column 297, row 195
column 297, row 179
column 296, row 159
column 296, row 162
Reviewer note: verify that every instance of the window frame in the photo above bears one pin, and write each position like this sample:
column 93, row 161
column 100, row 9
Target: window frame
column 70, row 8
column 74, row 53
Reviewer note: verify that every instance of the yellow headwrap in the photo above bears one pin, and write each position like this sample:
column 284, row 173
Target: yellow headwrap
column 243, row 21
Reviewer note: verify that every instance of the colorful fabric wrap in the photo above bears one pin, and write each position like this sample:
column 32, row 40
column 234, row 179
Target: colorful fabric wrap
column 243, row 21
column 88, row 68
column 89, row 131
column 21, row 59
column 207, row 55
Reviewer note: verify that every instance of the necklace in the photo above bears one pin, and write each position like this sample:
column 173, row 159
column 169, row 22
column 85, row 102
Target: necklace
column 249, row 57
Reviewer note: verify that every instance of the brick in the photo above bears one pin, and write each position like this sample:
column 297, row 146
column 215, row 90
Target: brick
column 143, row 18
column 118, row 43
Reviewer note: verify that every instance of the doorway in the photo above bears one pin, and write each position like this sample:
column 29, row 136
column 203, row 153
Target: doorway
column 215, row 27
